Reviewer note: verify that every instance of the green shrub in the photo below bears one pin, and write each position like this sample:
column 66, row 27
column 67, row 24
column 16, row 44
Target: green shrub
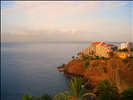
column 86, row 65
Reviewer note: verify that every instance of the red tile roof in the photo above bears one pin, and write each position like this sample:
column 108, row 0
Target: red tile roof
column 96, row 42
column 105, row 46
column 111, row 45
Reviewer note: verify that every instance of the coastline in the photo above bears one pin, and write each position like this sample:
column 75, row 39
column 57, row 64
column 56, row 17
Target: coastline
column 63, row 70
column 99, row 70
column 89, row 85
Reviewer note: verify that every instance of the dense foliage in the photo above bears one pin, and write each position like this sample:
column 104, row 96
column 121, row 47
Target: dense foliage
column 76, row 91
column 107, row 91
column 124, row 50
column 127, row 94
column 31, row 97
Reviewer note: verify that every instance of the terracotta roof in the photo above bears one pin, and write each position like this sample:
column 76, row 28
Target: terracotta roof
column 111, row 45
column 96, row 42
column 105, row 46
column 102, row 45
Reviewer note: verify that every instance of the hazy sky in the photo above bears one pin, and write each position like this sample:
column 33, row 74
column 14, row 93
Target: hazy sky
column 40, row 21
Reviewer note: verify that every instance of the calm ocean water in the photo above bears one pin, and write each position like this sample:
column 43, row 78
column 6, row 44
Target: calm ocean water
column 31, row 68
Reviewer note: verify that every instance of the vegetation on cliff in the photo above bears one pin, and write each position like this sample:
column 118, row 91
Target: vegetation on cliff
column 117, row 71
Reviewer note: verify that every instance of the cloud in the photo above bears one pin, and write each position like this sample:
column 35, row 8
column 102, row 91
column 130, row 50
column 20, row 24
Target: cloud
column 55, row 32
column 40, row 13
column 115, row 4
column 55, row 9
column 71, row 19
column 119, row 5
column 25, row 35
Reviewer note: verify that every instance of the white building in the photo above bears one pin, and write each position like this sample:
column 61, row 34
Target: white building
column 100, row 49
column 132, row 45
column 126, row 45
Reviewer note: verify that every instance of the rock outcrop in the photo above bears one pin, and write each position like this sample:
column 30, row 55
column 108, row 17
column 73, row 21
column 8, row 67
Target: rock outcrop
column 115, row 70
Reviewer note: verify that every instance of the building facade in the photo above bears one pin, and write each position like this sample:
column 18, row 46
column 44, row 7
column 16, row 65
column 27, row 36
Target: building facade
column 123, row 55
column 100, row 49
column 132, row 45
column 126, row 45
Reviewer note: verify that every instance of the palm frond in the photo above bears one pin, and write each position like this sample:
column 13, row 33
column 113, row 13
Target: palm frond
column 89, row 94
column 75, row 90
column 127, row 94
column 28, row 97
column 63, row 95
column 107, row 91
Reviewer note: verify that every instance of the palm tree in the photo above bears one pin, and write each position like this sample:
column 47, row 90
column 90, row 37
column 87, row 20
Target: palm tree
column 76, row 91
column 127, row 94
column 28, row 97
column 46, row 97
column 107, row 91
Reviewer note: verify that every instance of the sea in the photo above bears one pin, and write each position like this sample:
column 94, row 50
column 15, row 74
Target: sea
column 31, row 68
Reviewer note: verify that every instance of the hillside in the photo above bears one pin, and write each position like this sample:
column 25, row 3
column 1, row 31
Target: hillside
column 115, row 70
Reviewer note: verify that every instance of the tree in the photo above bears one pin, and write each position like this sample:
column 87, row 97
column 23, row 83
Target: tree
column 76, row 91
column 73, row 57
column 45, row 97
column 97, row 57
column 85, row 57
column 127, row 94
column 102, row 58
column 28, row 97
column 107, row 91
column 124, row 50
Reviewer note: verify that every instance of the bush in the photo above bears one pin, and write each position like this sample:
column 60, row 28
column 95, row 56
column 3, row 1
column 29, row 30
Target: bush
column 73, row 57
column 125, row 60
column 97, row 57
column 103, row 58
column 124, row 50
column 127, row 94
column 86, row 65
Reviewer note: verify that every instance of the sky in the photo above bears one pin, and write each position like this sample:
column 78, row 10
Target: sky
column 66, row 21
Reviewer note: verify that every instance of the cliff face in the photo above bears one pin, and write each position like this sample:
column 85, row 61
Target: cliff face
column 115, row 70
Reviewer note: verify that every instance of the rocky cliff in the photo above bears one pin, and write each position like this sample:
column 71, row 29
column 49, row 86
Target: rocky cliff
column 116, row 70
